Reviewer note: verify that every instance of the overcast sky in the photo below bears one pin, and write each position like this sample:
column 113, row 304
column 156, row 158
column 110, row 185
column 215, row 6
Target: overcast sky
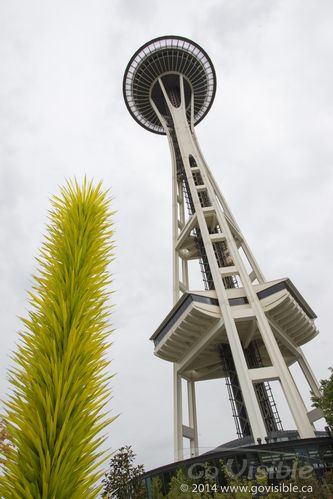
column 267, row 139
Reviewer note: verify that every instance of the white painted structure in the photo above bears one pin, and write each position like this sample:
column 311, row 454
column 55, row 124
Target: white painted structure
column 240, row 327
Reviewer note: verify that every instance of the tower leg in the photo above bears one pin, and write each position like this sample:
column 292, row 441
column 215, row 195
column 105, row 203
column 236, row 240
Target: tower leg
column 175, row 234
column 178, row 416
column 294, row 399
column 290, row 390
column 308, row 373
column 297, row 408
column 192, row 412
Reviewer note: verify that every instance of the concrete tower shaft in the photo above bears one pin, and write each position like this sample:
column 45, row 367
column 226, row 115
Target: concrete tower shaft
column 239, row 327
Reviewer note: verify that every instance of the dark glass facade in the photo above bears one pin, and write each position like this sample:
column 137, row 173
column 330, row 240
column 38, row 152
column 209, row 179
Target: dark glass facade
column 278, row 458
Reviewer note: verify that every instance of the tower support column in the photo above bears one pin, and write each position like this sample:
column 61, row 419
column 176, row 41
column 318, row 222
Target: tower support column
column 182, row 431
column 308, row 373
column 192, row 410
column 188, row 147
column 177, row 415
column 294, row 399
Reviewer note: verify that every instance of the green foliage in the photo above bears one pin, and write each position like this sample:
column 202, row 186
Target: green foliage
column 181, row 486
column 60, row 387
column 320, row 489
column 122, row 480
column 205, row 487
column 157, row 488
column 325, row 400
column 240, row 488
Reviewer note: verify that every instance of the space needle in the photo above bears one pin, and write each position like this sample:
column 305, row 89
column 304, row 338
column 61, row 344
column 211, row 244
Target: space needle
column 238, row 326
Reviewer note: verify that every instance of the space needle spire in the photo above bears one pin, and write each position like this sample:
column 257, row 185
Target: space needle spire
column 239, row 326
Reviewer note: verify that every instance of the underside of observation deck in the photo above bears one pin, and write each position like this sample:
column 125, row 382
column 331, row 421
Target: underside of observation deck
column 194, row 323
column 167, row 56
